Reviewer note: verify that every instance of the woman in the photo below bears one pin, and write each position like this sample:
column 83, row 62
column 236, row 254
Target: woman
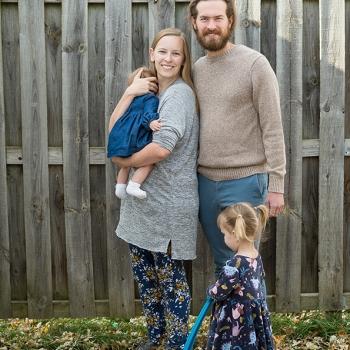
column 161, row 229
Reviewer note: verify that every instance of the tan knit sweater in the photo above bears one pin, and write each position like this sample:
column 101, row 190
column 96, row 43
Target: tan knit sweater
column 241, row 131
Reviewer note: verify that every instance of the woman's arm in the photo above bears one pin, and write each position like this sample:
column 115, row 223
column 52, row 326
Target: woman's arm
column 139, row 86
column 152, row 153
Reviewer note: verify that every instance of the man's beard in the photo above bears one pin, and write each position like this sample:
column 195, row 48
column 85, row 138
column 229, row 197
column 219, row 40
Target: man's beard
column 213, row 44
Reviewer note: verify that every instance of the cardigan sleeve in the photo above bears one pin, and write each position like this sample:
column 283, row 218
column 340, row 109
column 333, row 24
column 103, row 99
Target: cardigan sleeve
column 150, row 107
column 173, row 113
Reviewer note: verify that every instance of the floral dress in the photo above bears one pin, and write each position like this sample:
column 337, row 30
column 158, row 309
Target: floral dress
column 240, row 317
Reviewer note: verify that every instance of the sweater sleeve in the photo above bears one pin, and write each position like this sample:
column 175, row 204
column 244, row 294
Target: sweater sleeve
column 150, row 106
column 172, row 114
column 267, row 103
column 227, row 282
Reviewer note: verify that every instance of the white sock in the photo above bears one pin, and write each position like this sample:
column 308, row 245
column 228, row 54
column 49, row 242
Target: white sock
column 120, row 191
column 134, row 189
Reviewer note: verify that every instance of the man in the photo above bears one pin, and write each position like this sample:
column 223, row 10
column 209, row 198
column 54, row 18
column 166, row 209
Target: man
column 241, row 147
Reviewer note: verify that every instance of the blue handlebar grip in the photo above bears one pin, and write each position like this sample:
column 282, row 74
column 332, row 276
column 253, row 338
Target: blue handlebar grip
column 197, row 325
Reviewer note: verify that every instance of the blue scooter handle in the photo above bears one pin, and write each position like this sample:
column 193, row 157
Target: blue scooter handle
column 197, row 325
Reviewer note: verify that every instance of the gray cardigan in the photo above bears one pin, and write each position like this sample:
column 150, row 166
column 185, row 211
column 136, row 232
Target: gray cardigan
column 170, row 211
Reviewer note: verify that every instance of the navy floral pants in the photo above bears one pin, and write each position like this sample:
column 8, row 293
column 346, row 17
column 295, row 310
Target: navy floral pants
column 164, row 294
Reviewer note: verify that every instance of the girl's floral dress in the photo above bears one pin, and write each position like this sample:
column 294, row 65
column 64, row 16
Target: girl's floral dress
column 240, row 318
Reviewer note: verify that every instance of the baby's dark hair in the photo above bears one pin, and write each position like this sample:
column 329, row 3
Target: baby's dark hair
column 146, row 73
column 243, row 220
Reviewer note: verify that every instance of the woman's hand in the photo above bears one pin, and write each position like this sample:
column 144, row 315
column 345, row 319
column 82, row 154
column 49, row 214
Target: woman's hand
column 141, row 86
column 121, row 162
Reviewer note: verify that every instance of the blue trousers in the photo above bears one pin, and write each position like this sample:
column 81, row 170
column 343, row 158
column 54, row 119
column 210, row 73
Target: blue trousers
column 214, row 196
column 165, row 295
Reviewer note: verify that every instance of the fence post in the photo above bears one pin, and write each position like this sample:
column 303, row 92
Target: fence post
column 331, row 171
column 35, row 158
column 161, row 14
column 117, row 65
column 289, row 74
column 5, row 281
column 76, row 157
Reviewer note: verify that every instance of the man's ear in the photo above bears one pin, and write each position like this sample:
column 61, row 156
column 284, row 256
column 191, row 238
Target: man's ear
column 231, row 21
column 194, row 25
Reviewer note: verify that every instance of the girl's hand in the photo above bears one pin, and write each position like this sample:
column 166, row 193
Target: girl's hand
column 141, row 86
column 155, row 125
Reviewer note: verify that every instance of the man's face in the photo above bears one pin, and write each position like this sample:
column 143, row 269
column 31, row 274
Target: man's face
column 212, row 25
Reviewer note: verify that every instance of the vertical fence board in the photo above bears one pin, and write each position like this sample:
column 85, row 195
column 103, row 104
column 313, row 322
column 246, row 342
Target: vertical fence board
column 76, row 157
column 311, row 123
column 11, row 71
column 202, row 272
column 331, row 178
column 346, row 262
column 96, row 35
column 13, row 127
column 247, row 31
column 140, row 40
column 35, row 159
column 53, row 42
column 268, row 48
column 289, row 74
column 5, row 281
column 182, row 21
column 161, row 15
column 118, row 65
column 58, row 237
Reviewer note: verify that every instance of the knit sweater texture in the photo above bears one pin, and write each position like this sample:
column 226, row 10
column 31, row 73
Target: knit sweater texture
column 241, row 131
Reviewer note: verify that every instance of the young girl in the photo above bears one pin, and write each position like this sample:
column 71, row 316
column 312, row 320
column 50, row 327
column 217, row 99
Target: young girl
column 132, row 132
column 240, row 317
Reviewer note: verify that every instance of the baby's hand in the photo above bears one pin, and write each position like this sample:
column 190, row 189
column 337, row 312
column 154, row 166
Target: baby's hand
column 155, row 125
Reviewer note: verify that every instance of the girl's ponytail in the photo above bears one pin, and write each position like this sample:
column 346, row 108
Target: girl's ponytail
column 263, row 215
column 240, row 228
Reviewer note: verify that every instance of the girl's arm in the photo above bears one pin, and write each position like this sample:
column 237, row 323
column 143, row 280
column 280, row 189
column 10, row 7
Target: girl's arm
column 227, row 282
column 139, row 86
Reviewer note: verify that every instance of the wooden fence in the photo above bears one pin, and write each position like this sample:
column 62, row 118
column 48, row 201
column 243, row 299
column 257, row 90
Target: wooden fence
column 63, row 66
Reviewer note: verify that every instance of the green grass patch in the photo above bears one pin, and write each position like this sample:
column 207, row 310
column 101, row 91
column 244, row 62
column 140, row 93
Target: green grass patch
column 308, row 330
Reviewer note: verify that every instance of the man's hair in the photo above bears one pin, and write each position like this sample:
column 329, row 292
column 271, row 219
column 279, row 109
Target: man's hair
column 230, row 9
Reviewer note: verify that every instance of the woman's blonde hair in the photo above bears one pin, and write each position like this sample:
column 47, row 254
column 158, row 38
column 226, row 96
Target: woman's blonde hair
column 185, row 71
column 243, row 220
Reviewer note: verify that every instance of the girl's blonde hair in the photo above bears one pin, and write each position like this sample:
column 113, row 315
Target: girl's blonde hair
column 146, row 73
column 185, row 71
column 243, row 220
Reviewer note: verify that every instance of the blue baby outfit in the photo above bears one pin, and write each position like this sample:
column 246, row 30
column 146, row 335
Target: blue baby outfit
column 240, row 318
column 131, row 132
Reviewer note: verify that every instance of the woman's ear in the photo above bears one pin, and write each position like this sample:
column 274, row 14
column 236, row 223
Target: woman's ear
column 151, row 54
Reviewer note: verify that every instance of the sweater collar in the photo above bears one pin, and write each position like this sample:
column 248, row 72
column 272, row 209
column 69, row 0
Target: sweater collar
column 227, row 53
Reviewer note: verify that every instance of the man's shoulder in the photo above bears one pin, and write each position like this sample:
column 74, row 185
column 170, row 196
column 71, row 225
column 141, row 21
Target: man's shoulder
column 199, row 62
column 248, row 54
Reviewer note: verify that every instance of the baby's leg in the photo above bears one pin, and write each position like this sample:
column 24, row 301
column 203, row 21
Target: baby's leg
column 122, row 179
column 136, row 181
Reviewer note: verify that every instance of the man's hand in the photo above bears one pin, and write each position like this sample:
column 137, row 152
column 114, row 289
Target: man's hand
column 155, row 125
column 275, row 203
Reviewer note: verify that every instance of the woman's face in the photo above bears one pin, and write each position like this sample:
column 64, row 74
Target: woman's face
column 168, row 57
